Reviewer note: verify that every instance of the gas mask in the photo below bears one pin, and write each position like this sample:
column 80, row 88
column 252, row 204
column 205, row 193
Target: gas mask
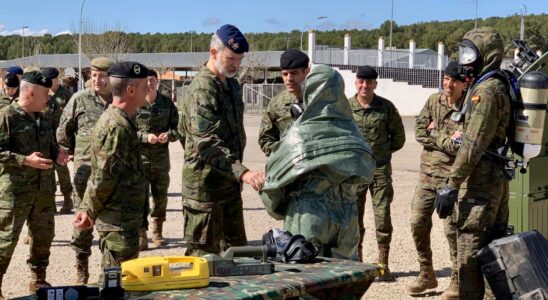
column 296, row 110
column 469, row 59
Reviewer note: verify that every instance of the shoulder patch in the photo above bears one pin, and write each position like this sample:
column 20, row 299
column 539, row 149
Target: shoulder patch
column 476, row 99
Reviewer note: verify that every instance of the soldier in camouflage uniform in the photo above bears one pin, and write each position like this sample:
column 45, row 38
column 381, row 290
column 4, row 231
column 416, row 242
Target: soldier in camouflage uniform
column 74, row 137
column 27, row 151
column 440, row 136
column 213, row 173
column 59, row 96
column 277, row 118
column 157, row 121
column 11, row 90
column 382, row 127
column 115, row 197
column 476, row 186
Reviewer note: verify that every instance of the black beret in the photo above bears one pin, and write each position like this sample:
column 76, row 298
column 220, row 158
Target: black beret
column 128, row 69
column 293, row 59
column 11, row 80
column 38, row 78
column 452, row 70
column 233, row 38
column 367, row 72
column 51, row 73
column 152, row 73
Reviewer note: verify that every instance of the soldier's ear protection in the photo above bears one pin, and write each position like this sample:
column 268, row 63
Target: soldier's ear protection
column 296, row 110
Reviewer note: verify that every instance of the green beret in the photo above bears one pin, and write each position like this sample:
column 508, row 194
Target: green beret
column 101, row 64
column 37, row 78
column 128, row 69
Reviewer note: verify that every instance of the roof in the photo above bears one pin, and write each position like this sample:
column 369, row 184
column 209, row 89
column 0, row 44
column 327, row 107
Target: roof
column 177, row 61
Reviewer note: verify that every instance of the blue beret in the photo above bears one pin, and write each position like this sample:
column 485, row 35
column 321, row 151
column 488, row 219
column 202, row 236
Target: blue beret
column 51, row 73
column 38, row 78
column 15, row 70
column 128, row 69
column 293, row 59
column 367, row 72
column 233, row 38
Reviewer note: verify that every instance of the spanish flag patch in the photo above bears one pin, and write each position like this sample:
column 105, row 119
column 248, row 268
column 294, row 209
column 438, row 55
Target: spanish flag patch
column 476, row 99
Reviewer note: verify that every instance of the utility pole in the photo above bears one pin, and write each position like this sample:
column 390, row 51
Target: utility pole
column 523, row 11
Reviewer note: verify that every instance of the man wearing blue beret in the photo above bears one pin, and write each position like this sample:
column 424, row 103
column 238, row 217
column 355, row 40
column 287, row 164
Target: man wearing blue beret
column 115, row 196
column 213, row 173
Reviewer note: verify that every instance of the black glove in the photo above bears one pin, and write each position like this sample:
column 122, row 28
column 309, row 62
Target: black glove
column 445, row 201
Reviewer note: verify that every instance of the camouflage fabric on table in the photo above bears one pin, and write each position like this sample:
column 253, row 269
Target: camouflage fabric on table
column 328, row 279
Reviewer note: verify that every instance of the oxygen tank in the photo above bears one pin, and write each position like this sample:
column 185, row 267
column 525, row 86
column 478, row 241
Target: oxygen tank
column 531, row 117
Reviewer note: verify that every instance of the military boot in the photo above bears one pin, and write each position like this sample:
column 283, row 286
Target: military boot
column 143, row 243
column 38, row 280
column 67, row 203
column 452, row 292
column 82, row 271
column 425, row 280
column 157, row 237
column 382, row 261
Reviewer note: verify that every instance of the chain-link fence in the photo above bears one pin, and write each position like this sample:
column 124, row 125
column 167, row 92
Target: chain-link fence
column 257, row 96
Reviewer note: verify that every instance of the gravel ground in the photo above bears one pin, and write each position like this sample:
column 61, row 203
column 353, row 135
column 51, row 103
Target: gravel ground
column 403, row 258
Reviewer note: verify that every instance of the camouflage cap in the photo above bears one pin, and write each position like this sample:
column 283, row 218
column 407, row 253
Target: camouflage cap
column 101, row 64
column 489, row 44
column 37, row 77
column 31, row 69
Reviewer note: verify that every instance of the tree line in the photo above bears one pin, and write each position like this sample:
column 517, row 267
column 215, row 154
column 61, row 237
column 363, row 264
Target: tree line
column 425, row 34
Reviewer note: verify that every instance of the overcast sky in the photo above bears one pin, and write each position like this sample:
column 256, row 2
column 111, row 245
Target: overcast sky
column 167, row 16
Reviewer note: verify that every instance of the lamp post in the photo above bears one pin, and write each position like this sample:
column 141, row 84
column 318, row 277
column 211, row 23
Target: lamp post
column 80, row 79
column 23, row 41
column 391, row 24
column 476, row 18
column 306, row 25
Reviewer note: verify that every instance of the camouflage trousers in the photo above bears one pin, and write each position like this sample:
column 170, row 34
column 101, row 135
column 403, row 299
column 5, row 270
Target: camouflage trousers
column 158, row 179
column 481, row 209
column 330, row 223
column 422, row 208
column 382, row 194
column 63, row 174
column 37, row 208
column 118, row 246
column 81, row 239
column 212, row 227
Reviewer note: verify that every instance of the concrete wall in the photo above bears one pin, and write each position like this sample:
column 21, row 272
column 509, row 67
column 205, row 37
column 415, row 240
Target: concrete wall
column 409, row 99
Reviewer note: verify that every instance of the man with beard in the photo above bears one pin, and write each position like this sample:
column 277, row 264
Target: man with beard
column 213, row 173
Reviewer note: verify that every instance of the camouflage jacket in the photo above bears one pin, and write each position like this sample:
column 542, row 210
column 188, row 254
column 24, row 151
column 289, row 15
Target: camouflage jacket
column 212, row 121
column 158, row 117
column 115, row 195
column 439, row 150
column 55, row 106
column 77, row 121
column 381, row 126
column 484, row 127
column 20, row 136
column 276, row 121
